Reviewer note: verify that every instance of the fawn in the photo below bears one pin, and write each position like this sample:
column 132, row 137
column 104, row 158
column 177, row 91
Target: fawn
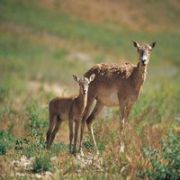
column 68, row 108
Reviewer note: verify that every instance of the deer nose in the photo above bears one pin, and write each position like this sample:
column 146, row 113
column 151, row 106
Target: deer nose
column 144, row 57
column 84, row 91
column 144, row 61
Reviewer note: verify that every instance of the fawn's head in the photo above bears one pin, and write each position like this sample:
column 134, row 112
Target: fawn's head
column 144, row 51
column 84, row 83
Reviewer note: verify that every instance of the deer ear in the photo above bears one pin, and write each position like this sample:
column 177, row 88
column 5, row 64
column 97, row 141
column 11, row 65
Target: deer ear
column 136, row 44
column 92, row 77
column 153, row 44
column 76, row 78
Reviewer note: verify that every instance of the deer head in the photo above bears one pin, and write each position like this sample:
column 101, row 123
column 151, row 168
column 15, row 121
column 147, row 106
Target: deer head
column 84, row 83
column 144, row 51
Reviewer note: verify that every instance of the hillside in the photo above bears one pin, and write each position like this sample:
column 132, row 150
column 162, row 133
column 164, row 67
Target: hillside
column 137, row 15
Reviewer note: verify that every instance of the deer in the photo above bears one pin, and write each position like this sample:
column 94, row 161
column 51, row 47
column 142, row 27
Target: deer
column 115, row 85
column 68, row 108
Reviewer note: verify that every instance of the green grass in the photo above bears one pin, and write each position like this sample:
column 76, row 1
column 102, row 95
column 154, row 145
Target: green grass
column 6, row 141
column 165, row 163
column 42, row 163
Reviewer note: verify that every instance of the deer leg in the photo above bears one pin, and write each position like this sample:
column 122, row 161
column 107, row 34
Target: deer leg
column 49, row 132
column 98, row 108
column 48, row 136
column 122, row 126
column 124, row 115
column 83, row 122
column 125, row 110
column 54, row 131
column 123, row 118
column 70, row 134
column 77, row 122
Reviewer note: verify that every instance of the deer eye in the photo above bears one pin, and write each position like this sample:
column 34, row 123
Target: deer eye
column 141, row 52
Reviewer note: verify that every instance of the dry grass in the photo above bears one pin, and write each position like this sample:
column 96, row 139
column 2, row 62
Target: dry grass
column 135, row 16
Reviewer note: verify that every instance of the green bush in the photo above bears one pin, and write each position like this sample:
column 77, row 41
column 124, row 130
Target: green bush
column 37, row 122
column 6, row 141
column 42, row 163
column 2, row 149
column 30, row 147
column 35, row 146
column 165, row 163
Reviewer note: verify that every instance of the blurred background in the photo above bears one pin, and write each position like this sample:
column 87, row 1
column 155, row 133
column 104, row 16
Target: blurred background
column 43, row 43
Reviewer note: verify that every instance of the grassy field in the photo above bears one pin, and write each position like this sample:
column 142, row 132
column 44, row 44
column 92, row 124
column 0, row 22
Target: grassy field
column 42, row 44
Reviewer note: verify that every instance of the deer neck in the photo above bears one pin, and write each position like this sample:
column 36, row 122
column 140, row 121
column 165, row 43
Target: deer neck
column 139, row 75
column 81, row 101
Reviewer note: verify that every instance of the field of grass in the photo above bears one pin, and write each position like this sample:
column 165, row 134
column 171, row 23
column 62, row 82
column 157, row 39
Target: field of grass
column 43, row 45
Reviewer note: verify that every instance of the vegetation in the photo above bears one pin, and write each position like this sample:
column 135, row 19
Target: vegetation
column 42, row 163
column 6, row 141
column 43, row 44
column 165, row 162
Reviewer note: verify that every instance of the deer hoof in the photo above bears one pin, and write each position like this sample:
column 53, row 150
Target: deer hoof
column 122, row 147
column 82, row 153
column 97, row 153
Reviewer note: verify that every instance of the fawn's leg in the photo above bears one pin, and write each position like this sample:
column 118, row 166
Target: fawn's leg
column 55, row 128
column 70, row 134
column 77, row 123
column 50, row 130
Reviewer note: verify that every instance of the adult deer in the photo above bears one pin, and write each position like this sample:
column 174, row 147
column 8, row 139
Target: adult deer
column 115, row 86
column 70, row 108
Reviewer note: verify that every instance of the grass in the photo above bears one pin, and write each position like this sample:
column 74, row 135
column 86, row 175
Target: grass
column 38, row 47
column 42, row 163
column 165, row 163
column 6, row 142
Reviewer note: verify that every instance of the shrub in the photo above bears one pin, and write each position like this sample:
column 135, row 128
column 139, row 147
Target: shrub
column 2, row 149
column 6, row 141
column 36, row 120
column 42, row 163
column 30, row 147
column 165, row 163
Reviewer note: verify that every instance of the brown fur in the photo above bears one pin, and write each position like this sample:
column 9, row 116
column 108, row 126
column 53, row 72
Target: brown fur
column 115, row 85
column 71, row 109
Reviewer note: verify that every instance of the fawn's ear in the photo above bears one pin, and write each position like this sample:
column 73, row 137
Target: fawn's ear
column 153, row 44
column 136, row 44
column 76, row 78
column 92, row 77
